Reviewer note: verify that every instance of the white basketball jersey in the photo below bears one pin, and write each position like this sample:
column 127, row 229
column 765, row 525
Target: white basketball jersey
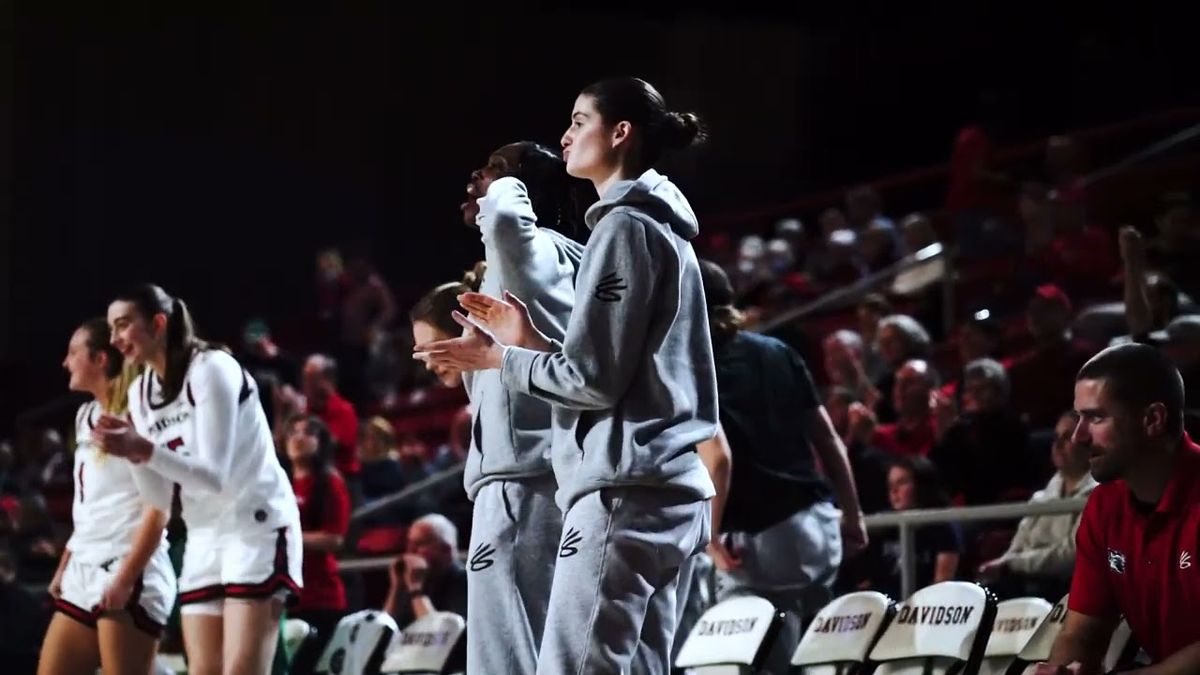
column 212, row 441
column 108, row 505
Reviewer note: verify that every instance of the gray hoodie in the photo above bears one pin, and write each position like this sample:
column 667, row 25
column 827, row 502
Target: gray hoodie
column 510, row 431
column 634, row 385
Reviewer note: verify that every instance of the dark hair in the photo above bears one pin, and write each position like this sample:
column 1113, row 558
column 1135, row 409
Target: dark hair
column 559, row 200
column 320, row 468
column 181, row 343
column 99, row 339
column 930, row 493
column 629, row 99
column 434, row 307
column 724, row 320
column 876, row 303
column 1136, row 376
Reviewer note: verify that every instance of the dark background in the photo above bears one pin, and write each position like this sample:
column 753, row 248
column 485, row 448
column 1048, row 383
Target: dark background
column 215, row 153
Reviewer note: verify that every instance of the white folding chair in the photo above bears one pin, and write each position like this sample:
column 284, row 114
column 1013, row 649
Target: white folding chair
column 295, row 633
column 1016, row 621
column 839, row 639
column 941, row 630
column 1121, row 649
column 732, row 637
column 358, row 644
column 426, row 645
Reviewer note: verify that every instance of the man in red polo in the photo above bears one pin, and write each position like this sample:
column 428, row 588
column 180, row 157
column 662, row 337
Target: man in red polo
column 1137, row 549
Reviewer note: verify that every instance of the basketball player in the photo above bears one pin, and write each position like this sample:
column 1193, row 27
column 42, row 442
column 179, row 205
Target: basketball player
column 198, row 423
column 634, row 387
column 115, row 586
column 516, row 198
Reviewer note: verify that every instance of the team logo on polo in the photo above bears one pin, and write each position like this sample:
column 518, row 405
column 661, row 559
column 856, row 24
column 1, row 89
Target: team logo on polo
column 609, row 288
column 570, row 543
column 482, row 558
column 1116, row 561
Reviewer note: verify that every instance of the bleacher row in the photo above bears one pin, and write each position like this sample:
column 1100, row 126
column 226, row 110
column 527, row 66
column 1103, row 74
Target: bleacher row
column 950, row 628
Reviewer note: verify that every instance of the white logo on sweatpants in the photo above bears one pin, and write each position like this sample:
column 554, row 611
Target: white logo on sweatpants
column 1185, row 560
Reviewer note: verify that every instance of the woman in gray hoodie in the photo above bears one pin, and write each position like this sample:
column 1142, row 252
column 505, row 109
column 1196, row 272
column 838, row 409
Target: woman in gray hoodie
column 633, row 387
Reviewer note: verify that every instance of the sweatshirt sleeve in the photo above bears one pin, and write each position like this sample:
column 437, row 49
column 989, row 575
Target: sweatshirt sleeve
column 215, row 384
column 528, row 258
column 614, row 299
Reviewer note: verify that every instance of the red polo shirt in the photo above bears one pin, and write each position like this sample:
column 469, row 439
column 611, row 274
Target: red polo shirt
column 1144, row 563
column 338, row 414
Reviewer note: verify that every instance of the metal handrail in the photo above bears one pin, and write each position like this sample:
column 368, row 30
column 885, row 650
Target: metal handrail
column 432, row 480
column 907, row 521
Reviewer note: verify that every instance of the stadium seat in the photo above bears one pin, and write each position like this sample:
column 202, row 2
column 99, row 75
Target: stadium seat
column 732, row 637
column 839, row 639
column 941, row 630
column 358, row 644
column 1016, row 621
column 427, row 645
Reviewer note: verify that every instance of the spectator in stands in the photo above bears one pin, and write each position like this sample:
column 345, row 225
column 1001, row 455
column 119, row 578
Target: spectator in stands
column 1080, row 257
column 983, row 455
column 367, row 310
column 869, row 314
column 331, row 284
column 1064, row 165
column 1041, row 556
column 1177, row 247
column 878, row 247
column 778, row 507
column 913, row 483
column 324, row 518
column 272, row 368
column 901, row 339
column 864, row 209
column 913, row 433
column 382, row 474
column 338, row 414
column 977, row 197
column 978, row 338
column 1150, row 299
column 1181, row 342
column 842, row 353
column 837, row 404
column 1138, row 534
column 428, row 577
column 23, row 619
column 834, row 257
column 921, row 282
column 431, row 320
column 1041, row 377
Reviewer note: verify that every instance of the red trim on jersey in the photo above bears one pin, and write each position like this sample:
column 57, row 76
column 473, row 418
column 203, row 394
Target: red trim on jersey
column 141, row 618
column 201, row 594
column 279, row 578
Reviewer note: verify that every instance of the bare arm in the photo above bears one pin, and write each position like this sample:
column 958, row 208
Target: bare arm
column 1083, row 640
column 1137, row 295
column 1186, row 661
column 718, row 459
column 831, row 452
column 322, row 542
column 945, row 567
column 421, row 605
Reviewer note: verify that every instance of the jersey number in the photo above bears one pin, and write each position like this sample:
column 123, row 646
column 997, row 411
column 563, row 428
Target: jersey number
column 173, row 445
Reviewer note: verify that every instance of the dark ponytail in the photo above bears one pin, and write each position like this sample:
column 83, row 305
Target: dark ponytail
column 629, row 99
column 558, row 199
column 181, row 340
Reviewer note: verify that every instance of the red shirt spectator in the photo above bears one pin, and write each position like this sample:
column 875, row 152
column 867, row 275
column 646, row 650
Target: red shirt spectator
column 1141, row 561
column 969, row 160
column 338, row 414
column 909, row 441
column 323, row 588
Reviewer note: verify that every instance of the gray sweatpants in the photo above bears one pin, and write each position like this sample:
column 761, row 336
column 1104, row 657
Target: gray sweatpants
column 793, row 564
column 614, row 604
column 514, row 544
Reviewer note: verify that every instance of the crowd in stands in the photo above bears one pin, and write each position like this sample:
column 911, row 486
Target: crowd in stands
column 975, row 411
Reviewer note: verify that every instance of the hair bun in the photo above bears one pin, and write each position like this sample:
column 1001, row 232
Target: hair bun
column 682, row 130
column 473, row 278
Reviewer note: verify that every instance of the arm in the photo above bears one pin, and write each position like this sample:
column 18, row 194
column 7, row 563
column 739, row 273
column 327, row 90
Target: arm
column 528, row 259
column 1083, row 639
column 945, row 567
column 55, row 587
column 834, row 458
column 1136, row 294
column 718, row 459
column 146, row 540
column 615, row 294
column 421, row 605
column 337, row 519
column 215, row 386
column 1186, row 661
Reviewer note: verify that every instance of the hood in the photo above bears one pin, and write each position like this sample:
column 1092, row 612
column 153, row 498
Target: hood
column 653, row 194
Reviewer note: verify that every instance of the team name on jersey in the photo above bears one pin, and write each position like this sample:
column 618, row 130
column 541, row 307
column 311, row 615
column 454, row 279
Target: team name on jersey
column 169, row 421
column 934, row 616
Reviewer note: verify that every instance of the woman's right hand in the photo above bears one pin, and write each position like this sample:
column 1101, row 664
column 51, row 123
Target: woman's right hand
column 55, row 587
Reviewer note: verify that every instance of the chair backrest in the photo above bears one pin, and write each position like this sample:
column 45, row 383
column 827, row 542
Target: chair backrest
column 1121, row 649
column 736, row 632
column 295, row 633
column 358, row 643
column 425, row 645
column 844, row 631
column 940, row 628
column 1037, row 647
column 1016, row 621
